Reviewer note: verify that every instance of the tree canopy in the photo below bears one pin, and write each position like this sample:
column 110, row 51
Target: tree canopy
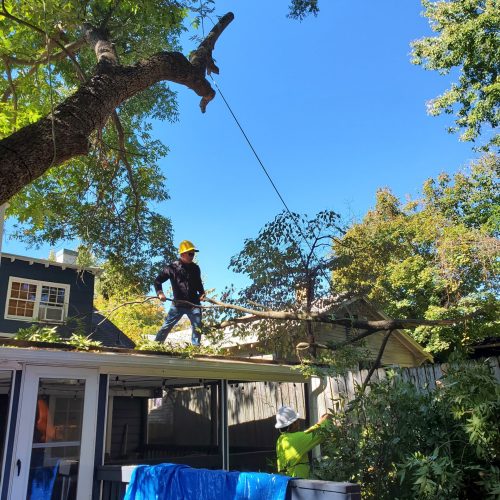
column 83, row 81
column 467, row 39
column 433, row 258
column 288, row 265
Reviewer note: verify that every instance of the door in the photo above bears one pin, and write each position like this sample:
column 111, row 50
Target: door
column 54, row 455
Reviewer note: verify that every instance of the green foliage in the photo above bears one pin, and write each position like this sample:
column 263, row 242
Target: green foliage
column 466, row 39
column 82, row 342
column 299, row 9
column 399, row 442
column 186, row 351
column 113, row 190
column 288, row 265
column 331, row 363
column 37, row 333
column 434, row 258
column 135, row 319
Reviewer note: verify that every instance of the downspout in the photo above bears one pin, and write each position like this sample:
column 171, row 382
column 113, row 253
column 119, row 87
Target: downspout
column 3, row 208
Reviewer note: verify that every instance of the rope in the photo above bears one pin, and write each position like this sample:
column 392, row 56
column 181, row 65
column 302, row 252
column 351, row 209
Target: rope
column 255, row 153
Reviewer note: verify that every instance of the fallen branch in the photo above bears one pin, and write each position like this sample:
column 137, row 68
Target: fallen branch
column 321, row 317
column 376, row 363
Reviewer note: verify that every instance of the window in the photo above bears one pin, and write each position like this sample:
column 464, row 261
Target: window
column 29, row 300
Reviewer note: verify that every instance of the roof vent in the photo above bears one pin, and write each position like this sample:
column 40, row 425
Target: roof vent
column 66, row 256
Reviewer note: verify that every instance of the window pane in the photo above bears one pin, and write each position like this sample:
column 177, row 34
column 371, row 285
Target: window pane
column 26, row 295
column 56, row 436
column 155, row 420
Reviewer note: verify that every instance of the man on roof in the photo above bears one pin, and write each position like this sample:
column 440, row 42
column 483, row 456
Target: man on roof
column 294, row 444
column 185, row 278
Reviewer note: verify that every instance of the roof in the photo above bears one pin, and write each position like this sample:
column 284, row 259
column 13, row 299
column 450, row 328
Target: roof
column 403, row 337
column 106, row 332
column 47, row 263
column 128, row 362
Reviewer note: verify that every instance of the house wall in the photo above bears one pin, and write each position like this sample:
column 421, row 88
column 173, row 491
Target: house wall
column 398, row 351
column 80, row 296
column 395, row 353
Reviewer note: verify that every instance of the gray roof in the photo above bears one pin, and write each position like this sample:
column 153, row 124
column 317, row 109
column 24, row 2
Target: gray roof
column 106, row 332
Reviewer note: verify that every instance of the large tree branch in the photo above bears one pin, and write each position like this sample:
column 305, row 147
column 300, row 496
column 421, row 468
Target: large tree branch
column 50, row 39
column 377, row 361
column 29, row 153
column 71, row 47
column 321, row 317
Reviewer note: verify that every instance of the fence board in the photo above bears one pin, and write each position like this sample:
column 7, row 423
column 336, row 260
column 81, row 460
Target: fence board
column 267, row 397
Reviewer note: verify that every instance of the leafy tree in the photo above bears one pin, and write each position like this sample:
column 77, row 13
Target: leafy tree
column 288, row 264
column 432, row 258
column 137, row 318
column 82, row 83
column 299, row 9
column 119, row 297
column 466, row 40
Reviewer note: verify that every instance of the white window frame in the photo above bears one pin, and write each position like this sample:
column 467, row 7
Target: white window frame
column 36, row 309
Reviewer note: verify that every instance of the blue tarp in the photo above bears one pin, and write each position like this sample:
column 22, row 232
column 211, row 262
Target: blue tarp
column 180, row 482
column 41, row 482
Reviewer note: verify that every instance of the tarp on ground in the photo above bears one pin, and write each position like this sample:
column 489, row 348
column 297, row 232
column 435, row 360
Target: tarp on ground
column 181, row 482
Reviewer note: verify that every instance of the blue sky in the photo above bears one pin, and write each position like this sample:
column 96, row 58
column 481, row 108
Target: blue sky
column 333, row 107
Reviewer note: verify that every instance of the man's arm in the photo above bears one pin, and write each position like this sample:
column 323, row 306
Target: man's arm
column 319, row 423
column 200, row 290
column 161, row 278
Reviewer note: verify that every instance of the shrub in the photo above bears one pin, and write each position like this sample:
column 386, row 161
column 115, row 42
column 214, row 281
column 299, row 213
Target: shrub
column 400, row 442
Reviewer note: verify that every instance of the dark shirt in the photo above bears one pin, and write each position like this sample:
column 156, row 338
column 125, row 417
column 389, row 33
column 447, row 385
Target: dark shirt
column 185, row 280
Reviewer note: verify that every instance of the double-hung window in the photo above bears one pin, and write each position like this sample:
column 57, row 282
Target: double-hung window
column 30, row 300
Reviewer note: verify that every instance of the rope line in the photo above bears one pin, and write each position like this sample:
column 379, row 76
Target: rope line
column 276, row 190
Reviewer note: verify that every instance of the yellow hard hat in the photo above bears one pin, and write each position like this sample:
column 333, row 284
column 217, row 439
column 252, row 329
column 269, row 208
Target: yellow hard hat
column 186, row 246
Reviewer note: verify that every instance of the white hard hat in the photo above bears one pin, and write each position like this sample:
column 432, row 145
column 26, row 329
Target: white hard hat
column 285, row 417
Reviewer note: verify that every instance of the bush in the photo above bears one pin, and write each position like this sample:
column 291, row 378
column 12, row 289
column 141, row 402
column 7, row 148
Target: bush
column 399, row 442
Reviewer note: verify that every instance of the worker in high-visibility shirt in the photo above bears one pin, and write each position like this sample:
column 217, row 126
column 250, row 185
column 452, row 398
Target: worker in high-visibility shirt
column 293, row 444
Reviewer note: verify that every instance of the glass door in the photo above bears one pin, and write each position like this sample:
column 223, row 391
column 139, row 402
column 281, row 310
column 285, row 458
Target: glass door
column 56, row 434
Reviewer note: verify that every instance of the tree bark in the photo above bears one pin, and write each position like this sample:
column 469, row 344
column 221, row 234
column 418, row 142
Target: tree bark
column 54, row 139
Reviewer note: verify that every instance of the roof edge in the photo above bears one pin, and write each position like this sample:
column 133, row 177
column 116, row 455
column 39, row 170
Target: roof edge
column 94, row 270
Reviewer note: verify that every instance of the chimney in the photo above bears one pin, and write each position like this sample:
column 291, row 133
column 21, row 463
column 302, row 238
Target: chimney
column 66, row 256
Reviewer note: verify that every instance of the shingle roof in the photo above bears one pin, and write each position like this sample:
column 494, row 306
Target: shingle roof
column 106, row 332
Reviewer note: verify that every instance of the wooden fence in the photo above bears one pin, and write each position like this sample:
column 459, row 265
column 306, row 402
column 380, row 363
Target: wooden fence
column 259, row 401
column 333, row 391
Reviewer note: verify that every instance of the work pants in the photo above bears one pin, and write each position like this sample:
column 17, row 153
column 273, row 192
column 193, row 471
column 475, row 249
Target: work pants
column 175, row 313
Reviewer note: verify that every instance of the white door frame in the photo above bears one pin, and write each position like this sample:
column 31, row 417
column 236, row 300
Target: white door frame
column 24, row 431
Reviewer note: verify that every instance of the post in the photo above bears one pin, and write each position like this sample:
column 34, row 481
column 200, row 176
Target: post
column 316, row 401
column 224, row 430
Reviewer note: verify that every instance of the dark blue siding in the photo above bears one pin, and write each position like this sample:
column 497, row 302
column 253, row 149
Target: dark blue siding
column 80, row 296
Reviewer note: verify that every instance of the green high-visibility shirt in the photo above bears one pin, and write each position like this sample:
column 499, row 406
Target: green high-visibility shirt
column 292, row 449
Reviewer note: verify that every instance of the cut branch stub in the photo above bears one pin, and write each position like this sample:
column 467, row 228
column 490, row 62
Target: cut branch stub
column 98, row 39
